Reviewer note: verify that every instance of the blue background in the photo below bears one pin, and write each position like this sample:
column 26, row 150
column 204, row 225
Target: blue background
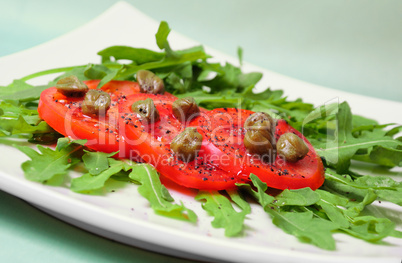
column 348, row 45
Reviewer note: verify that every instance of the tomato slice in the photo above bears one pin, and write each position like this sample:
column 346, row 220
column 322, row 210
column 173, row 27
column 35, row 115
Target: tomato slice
column 65, row 116
column 223, row 129
column 152, row 143
column 222, row 162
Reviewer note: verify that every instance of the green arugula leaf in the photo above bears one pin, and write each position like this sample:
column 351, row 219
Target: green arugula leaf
column 240, row 201
column 298, row 197
column 240, row 55
column 128, row 70
column 384, row 187
column 21, row 91
column 90, row 182
column 385, row 156
column 157, row 194
column 355, row 208
column 225, row 216
column 64, row 142
column 16, row 119
column 137, row 55
column 47, row 163
column 370, row 228
column 330, row 203
column 260, row 195
column 231, row 77
column 93, row 71
column 21, row 126
column 306, row 227
column 162, row 35
column 393, row 196
column 321, row 112
column 96, row 162
column 101, row 72
column 303, row 225
column 339, row 151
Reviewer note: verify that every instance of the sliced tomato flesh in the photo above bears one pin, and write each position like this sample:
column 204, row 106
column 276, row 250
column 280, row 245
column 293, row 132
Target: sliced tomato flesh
column 222, row 161
column 102, row 132
column 224, row 130
column 152, row 143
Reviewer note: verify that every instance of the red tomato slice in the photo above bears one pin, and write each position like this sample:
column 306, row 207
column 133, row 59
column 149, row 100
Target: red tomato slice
column 222, row 162
column 152, row 143
column 223, row 128
column 65, row 116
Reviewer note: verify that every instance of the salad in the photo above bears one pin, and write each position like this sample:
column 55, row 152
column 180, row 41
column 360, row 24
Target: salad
column 334, row 136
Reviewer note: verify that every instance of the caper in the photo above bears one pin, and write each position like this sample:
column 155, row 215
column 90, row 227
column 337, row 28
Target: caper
column 96, row 102
column 187, row 144
column 265, row 128
column 256, row 143
column 150, row 83
column 259, row 117
column 260, row 136
column 291, row 147
column 71, row 86
column 185, row 109
column 146, row 109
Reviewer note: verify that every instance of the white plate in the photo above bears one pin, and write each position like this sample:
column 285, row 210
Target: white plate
column 124, row 215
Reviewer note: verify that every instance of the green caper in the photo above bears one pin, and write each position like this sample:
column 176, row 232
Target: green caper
column 150, row 83
column 146, row 109
column 71, row 86
column 265, row 128
column 185, row 109
column 187, row 144
column 260, row 117
column 96, row 102
column 291, row 147
column 260, row 136
column 256, row 143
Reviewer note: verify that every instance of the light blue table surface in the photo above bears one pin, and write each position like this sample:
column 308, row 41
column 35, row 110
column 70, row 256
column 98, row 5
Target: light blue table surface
column 354, row 46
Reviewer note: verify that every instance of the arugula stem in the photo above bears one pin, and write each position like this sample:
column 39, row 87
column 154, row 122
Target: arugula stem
column 50, row 71
column 329, row 176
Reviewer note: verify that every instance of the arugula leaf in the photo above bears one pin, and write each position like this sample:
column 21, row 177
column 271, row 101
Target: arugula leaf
column 313, row 216
column 90, row 182
column 231, row 77
column 298, row 197
column 385, row 156
column 128, row 70
column 384, row 187
column 370, row 228
column 306, row 227
column 157, row 194
column 240, row 201
column 96, row 162
column 162, row 35
column 240, row 55
column 65, row 142
column 225, row 216
column 16, row 119
column 330, row 204
column 321, row 112
column 138, row 56
column 21, row 126
column 302, row 224
column 264, row 199
column 47, row 163
column 20, row 90
column 344, row 146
